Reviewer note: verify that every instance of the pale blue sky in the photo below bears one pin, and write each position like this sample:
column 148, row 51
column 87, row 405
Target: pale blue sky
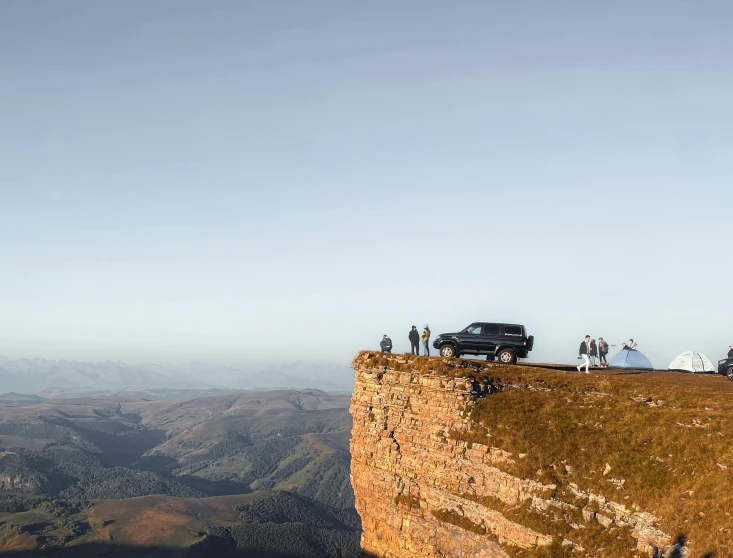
column 231, row 180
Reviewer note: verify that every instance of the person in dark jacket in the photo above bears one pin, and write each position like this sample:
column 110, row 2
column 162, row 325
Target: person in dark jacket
column 593, row 352
column 414, row 337
column 602, row 351
column 583, row 353
column 730, row 353
column 386, row 344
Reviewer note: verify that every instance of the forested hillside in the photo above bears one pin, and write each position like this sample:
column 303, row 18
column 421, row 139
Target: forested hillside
column 61, row 460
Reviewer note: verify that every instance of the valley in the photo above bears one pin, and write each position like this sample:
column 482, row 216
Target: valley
column 178, row 475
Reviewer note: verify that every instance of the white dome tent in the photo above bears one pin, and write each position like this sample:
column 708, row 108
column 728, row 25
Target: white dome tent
column 694, row 362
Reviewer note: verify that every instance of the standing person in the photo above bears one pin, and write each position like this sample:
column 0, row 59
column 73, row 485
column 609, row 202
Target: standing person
column 632, row 344
column 602, row 351
column 583, row 352
column 386, row 344
column 593, row 352
column 730, row 353
column 414, row 337
column 426, row 340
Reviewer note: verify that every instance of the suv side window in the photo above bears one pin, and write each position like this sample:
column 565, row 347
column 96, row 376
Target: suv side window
column 474, row 329
column 491, row 329
column 513, row 331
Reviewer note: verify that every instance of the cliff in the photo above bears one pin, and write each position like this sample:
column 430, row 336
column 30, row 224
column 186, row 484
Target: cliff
column 475, row 459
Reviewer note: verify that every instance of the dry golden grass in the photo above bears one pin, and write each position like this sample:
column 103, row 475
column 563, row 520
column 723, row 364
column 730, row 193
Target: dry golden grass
column 451, row 367
column 161, row 520
column 17, row 543
column 664, row 440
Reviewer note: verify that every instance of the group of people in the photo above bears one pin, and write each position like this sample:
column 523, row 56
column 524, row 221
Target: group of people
column 414, row 337
column 590, row 350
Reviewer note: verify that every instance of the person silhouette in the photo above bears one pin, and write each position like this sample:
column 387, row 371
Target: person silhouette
column 593, row 352
column 414, row 338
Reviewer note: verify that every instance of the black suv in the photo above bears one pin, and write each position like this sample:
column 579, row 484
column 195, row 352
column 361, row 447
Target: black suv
column 725, row 367
column 506, row 342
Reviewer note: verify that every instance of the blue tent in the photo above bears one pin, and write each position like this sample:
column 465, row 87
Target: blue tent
column 630, row 359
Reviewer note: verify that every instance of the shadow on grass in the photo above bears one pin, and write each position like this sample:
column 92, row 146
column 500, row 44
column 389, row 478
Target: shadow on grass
column 222, row 487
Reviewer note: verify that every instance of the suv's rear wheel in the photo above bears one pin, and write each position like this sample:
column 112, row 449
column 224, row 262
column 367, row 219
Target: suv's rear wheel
column 729, row 372
column 506, row 356
column 448, row 350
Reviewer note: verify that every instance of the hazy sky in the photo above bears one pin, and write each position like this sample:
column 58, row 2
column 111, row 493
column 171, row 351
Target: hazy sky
column 231, row 180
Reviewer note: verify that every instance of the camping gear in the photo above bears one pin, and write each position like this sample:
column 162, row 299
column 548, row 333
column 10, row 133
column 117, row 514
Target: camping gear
column 630, row 359
column 694, row 362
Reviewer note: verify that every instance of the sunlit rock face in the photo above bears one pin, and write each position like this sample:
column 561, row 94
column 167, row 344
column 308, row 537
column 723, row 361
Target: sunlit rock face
column 421, row 490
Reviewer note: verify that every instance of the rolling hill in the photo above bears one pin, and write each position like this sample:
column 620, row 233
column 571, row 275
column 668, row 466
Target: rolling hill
column 72, row 469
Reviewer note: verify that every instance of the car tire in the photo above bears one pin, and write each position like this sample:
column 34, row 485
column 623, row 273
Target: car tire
column 506, row 356
column 729, row 372
column 447, row 350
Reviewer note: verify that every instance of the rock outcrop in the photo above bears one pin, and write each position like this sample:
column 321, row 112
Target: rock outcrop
column 429, row 480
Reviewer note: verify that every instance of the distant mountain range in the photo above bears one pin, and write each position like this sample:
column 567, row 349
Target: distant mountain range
column 63, row 378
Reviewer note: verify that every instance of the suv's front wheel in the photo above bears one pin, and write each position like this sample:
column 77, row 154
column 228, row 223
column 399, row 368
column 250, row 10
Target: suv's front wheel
column 506, row 356
column 729, row 372
column 448, row 350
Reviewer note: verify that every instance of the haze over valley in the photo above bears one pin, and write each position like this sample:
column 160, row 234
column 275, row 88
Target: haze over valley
column 59, row 378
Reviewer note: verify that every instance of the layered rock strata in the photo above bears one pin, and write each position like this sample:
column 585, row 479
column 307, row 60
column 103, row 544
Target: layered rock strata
column 421, row 491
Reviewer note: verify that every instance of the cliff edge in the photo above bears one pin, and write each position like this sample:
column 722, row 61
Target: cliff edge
column 475, row 459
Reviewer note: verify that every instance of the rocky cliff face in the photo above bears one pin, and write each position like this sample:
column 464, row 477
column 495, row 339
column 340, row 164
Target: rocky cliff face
column 437, row 473
column 20, row 483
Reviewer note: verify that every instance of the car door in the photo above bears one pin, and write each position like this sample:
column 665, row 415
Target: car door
column 489, row 337
column 471, row 337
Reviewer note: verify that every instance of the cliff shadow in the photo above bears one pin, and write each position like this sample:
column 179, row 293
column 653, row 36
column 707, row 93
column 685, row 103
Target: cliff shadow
column 122, row 451
column 219, row 548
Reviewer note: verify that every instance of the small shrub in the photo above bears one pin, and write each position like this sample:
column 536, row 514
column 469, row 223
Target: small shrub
column 455, row 518
column 407, row 500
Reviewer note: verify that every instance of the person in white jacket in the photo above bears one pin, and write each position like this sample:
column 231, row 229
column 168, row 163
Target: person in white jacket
column 632, row 344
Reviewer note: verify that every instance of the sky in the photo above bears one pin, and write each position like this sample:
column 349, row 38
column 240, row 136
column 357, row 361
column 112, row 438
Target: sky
column 230, row 180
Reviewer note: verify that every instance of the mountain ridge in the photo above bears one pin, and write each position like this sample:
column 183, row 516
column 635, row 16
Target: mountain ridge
column 36, row 375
